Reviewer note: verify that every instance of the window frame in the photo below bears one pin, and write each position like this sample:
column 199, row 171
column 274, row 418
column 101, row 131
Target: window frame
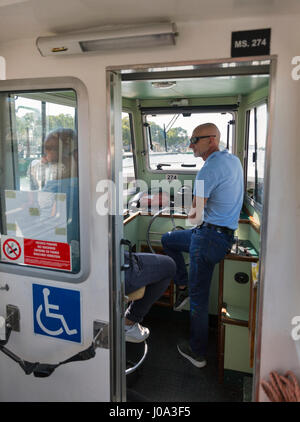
column 193, row 110
column 52, row 84
column 253, row 106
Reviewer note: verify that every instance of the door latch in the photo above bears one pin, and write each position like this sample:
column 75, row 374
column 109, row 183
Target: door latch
column 13, row 317
column 101, row 334
column 9, row 323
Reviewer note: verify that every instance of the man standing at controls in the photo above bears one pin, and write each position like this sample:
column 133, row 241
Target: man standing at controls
column 218, row 194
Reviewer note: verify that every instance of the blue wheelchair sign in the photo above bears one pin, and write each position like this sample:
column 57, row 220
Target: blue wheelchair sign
column 56, row 312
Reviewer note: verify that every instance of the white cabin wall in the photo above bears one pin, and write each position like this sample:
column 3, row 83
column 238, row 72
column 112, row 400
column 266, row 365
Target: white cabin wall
column 197, row 41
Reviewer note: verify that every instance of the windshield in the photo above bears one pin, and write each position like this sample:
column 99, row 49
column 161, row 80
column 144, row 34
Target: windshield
column 168, row 138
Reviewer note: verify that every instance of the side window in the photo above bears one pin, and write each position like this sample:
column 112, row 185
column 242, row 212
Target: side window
column 256, row 132
column 39, row 180
column 129, row 173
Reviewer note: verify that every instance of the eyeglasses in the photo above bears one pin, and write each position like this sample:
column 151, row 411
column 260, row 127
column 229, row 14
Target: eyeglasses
column 195, row 139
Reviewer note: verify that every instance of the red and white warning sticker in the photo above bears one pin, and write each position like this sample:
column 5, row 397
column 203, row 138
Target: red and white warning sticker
column 42, row 253
column 38, row 253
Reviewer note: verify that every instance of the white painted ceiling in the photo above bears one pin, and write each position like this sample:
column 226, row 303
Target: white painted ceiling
column 33, row 18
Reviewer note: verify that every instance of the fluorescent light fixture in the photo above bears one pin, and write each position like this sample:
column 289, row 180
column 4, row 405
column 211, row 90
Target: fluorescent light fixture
column 108, row 39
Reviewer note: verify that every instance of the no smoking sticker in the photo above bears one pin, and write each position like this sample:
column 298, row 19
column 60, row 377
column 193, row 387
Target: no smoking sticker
column 12, row 249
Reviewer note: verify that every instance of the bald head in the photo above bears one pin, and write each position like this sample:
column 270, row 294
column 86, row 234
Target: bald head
column 208, row 140
column 209, row 129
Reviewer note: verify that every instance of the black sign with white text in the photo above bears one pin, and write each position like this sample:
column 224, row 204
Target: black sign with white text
column 251, row 43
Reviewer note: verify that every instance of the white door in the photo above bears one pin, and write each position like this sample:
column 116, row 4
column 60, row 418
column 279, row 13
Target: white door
column 54, row 303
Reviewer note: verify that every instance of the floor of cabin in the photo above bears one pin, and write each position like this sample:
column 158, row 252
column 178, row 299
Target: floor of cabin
column 166, row 376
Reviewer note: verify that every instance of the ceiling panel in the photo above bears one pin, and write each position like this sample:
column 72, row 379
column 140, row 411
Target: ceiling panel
column 200, row 87
column 33, row 18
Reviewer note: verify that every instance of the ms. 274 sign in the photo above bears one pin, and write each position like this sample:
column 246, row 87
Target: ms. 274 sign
column 251, row 43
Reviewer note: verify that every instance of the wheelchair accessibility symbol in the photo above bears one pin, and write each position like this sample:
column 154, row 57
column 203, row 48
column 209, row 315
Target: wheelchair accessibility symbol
column 56, row 312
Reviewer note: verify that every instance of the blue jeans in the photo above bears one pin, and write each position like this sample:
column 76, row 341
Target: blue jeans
column 151, row 270
column 206, row 247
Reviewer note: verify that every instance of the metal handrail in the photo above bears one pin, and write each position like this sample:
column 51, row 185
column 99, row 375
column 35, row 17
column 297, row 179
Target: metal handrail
column 139, row 363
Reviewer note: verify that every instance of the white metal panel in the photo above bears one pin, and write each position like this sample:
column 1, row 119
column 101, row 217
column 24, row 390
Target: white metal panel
column 82, row 381
column 33, row 18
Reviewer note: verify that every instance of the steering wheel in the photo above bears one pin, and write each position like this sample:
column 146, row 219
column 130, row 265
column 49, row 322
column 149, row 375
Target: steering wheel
column 171, row 210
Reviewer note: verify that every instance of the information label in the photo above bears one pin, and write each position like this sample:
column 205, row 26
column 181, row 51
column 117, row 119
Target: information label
column 251, row 43
column 42, row 253
column 171, row 177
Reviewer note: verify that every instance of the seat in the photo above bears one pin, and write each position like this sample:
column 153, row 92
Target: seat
column 130, row 365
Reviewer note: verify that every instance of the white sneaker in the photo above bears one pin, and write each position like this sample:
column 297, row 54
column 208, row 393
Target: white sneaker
column 136, row 333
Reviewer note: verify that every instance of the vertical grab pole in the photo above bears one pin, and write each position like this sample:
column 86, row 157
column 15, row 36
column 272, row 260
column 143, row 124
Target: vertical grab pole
column 116, row 255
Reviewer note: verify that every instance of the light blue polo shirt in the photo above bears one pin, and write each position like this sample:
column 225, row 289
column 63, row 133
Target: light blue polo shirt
column 221, row 181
